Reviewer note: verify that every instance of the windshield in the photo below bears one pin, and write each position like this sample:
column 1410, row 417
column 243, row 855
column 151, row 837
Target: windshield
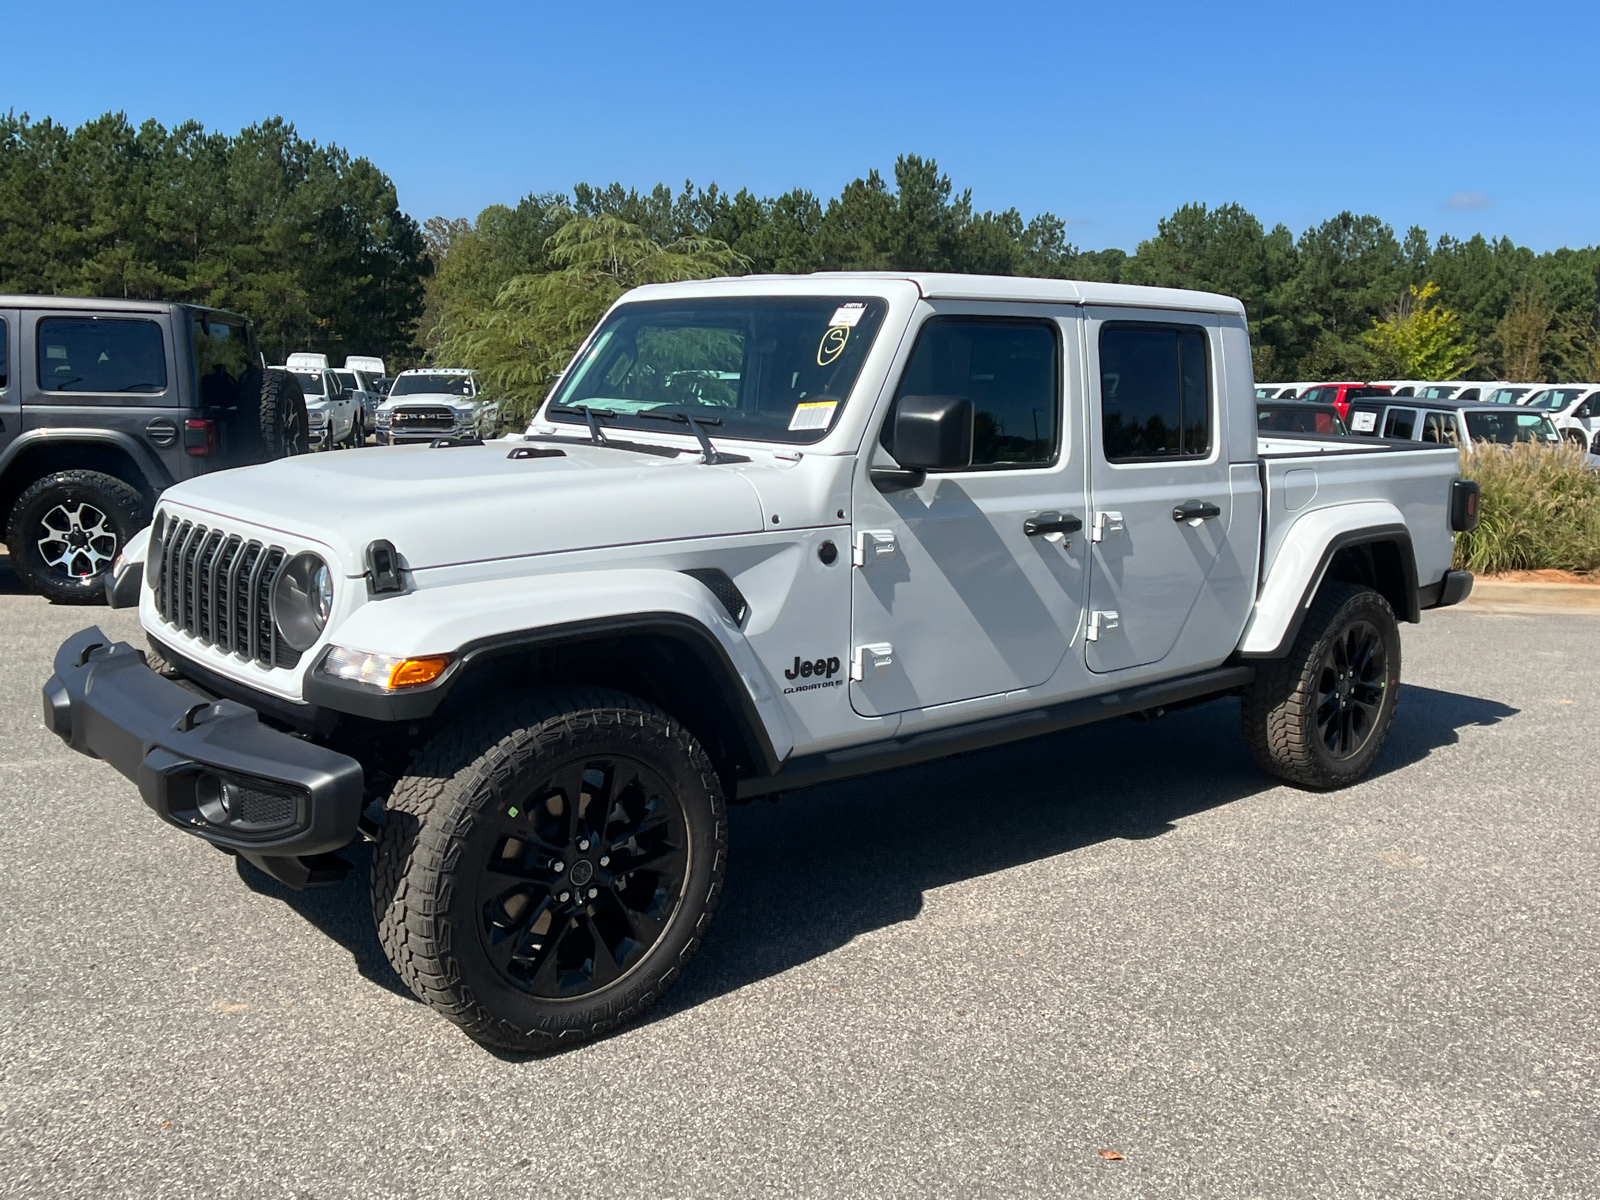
column 432, row 385
column 765, row 368
column 1437, row 392
column 1554, row 398
column 1513, row 426
column 310, row 382
column 1505, row 395
column 1319, row 395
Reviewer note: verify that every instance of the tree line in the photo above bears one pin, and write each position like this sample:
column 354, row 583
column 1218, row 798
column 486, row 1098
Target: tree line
column 312, row 243
column 308, row 241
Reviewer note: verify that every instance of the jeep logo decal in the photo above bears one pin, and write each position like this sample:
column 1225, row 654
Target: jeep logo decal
column 821, row 669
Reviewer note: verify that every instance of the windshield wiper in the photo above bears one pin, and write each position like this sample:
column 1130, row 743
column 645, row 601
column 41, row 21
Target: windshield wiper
column 593, row 416
column 708, row 452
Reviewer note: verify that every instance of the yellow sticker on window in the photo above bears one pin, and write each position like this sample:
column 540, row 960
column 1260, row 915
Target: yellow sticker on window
column 813, row 415
column 832, row 344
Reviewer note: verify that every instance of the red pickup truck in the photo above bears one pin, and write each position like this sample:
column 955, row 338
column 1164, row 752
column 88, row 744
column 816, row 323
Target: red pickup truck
column 1340, row 394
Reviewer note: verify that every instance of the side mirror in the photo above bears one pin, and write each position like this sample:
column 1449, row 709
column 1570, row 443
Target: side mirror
column 932, row 433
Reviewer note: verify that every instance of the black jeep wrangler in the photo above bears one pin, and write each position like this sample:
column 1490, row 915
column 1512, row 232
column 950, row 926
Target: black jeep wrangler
column 103, row 403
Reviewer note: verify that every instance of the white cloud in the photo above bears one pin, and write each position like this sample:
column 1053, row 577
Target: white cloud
column 1468, row 200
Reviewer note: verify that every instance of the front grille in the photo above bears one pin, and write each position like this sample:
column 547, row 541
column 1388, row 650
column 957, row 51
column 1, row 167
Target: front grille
column 217, row 587
column 424, row 419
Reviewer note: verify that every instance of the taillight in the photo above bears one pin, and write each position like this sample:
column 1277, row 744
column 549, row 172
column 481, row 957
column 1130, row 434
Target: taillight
column 1464, row 505
column 200, row 437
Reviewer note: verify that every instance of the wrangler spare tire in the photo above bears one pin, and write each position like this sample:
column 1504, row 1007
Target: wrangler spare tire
column 275, row 426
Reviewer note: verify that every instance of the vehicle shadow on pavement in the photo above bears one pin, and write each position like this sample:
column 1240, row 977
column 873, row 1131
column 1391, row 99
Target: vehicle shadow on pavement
column 10, row 585
column 818, row 869
column 808, row 875
column 343, row 913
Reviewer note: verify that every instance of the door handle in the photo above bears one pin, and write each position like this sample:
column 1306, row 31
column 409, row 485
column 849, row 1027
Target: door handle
column 1051, row 522
column 1195, row 510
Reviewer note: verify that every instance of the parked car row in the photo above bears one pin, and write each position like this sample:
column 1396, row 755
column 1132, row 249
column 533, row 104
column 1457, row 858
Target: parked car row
column 345, row 405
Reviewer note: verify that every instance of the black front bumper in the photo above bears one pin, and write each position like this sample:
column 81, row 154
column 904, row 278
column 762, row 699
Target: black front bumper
column 208, row 766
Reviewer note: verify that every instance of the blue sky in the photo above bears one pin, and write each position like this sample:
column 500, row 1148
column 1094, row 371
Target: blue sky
column 1460, row 117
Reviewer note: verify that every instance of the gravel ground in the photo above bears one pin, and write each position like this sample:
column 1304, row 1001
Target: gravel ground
column 963, row 979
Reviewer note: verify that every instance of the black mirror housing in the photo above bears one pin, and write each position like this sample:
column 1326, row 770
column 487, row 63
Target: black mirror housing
column 933, row 433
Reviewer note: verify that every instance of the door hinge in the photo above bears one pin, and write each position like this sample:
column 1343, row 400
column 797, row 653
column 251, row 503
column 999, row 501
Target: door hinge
column 873, row 546
column 1107, row 525
column 867, row 661
column 1100, row 623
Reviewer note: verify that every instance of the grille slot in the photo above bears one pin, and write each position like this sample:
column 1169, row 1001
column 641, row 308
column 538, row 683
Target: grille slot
column 266, row 809
column 217, row 587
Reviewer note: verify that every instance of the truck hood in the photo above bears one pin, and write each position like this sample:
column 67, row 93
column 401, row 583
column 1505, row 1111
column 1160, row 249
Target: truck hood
column 472, row 503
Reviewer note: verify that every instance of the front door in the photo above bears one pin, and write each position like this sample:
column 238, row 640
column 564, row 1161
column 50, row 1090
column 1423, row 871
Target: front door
column 968, row 584
column 1159, row 481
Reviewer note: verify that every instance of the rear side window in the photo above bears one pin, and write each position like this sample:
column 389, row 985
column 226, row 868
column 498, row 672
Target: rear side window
column 101, row 354
column 1400, row 423
column 5, row 341
column 1155, row 392
column 221, row 357
column 1008, row 369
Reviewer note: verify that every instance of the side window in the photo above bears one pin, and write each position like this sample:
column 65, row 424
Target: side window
column 1589, row 408
column 5, row 341
column 1155, row 392
column 1009, row 369
column 1439, row 427
column 101, row 354
column 221, row 357
column 1400, row 423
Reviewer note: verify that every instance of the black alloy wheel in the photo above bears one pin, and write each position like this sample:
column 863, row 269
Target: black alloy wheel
column 1319, row 716
column 1350, row 689
column 583, row 877
column 549, row 865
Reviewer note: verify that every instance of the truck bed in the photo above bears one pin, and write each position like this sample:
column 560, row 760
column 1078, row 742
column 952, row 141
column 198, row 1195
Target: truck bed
column 1307, row 473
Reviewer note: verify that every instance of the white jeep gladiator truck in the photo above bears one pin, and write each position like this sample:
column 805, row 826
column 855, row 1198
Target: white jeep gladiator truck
column 764, row 534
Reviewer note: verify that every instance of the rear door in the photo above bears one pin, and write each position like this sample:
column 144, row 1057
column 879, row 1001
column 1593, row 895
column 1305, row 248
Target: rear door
column 1159, row 486
column 10, row 402
column 116, row 371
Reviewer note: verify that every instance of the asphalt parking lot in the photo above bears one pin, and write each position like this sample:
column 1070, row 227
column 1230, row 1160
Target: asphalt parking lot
column 963, row 979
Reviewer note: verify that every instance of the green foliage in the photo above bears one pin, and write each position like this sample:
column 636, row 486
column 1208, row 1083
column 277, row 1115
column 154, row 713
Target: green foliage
column 1420, row 339
column 1539, row 510
column 305, row 239
column 521, row 337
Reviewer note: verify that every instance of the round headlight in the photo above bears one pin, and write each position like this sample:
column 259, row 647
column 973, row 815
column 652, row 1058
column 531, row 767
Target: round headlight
column 302, row 598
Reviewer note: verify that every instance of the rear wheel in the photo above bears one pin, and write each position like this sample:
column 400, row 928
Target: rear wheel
column 66, row 530
column 544, row 881
column 1319, row 717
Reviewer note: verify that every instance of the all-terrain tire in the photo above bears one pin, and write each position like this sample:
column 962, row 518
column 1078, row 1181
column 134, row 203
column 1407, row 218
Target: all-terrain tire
column 66, row 529
column 1318, row 717
column 280, row 428
column 486, row 787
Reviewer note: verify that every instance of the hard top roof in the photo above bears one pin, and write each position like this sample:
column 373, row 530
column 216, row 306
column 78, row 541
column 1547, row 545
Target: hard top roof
column 945, row 286
column 106, row 304
column 1445, row 405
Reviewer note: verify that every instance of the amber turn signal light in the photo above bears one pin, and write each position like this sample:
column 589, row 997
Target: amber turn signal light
column 414, row 672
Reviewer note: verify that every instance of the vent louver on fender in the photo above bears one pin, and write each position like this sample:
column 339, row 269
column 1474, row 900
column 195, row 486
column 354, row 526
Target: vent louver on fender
column 725, row 590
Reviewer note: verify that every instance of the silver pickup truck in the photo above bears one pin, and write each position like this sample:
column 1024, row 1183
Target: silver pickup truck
column 763, row 534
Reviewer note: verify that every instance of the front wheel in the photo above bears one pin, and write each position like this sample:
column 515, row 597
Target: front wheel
column 544, row 878
column 1318, row 717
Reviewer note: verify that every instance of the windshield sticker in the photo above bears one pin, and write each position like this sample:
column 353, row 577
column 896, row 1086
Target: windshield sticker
column 814, row 414
column 832, row 344
column 1364, row 422
column 848, row 314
